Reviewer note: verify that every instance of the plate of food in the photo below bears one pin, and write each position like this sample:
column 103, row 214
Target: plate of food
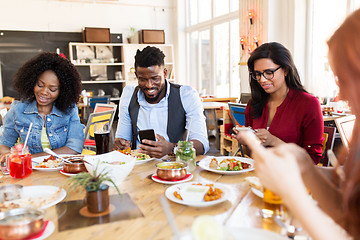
column 227, row 165
column 47, row 163
column 196, row 194
column 140, row 157
column 38, row 196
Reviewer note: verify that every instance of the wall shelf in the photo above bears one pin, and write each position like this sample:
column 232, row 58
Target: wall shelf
column 104, row 61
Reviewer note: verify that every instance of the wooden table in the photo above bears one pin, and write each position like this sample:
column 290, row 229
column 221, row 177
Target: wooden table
column 215, row 99
column 214, row 105
column 240, row 210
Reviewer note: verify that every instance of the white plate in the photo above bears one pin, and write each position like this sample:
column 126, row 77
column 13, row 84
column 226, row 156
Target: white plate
column 171, row 182
column 257, row 192
column 67, row 174
column 138, row 162
column 37, row 160
column 169, row 193
column 204, row 164
column 43, row 191
column 254, row 234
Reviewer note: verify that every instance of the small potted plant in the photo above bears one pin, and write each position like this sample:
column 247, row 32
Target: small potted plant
column 97, row 192
column 131, row 37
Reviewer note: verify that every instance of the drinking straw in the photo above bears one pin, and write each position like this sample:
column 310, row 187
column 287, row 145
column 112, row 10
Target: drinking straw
column 26, row 139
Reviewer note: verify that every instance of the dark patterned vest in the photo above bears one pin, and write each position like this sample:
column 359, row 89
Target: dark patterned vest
column 176, row 115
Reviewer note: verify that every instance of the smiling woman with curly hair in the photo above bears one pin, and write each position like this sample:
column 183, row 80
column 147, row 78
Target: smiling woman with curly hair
column 49, row 87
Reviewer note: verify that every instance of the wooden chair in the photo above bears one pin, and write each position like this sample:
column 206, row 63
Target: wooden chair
column 91, row 104
column 99, row 117
column 100, row 107
column 328, row 143
column 345, row 126
column 237, row 115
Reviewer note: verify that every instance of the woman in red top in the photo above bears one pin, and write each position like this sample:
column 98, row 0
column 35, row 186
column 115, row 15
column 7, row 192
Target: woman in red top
column 280, row 110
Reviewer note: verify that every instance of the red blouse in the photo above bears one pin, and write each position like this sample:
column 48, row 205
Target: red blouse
column 297, row 120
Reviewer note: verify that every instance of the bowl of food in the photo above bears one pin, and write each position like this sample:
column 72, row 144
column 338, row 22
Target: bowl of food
column 117, row 164
column 77, row 165
column 21, row 223
column 171, row 170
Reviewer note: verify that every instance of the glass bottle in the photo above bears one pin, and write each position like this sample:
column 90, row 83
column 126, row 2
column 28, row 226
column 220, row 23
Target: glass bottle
column 185, row 152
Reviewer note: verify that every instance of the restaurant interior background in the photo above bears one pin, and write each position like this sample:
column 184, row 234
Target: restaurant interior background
column 207, row 35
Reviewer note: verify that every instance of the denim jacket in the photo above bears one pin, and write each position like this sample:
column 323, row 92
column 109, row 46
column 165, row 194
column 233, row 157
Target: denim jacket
column 62, row 129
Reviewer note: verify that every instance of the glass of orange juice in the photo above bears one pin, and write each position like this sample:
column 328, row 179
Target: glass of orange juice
column 273, row 204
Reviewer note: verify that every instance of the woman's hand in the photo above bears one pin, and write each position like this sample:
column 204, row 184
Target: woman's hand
column 277, row 167
column 238, row 136
column 266, row 138
column 4, row 151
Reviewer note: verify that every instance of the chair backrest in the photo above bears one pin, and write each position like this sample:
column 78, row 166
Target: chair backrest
column 237, row 113
column 345, row 126
column 328, row 143
column 100, row 107
column 92, row 101
column 106, row 116
column 245, row 97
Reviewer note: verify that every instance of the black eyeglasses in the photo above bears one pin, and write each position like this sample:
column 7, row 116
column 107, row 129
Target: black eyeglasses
column 268, row 74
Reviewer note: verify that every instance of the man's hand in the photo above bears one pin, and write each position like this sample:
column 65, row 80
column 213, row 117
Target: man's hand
column 158, row 148
column 120, row 144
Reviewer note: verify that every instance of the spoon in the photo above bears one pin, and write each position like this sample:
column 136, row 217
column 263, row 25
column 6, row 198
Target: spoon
column 49, row 151
column 290, row 229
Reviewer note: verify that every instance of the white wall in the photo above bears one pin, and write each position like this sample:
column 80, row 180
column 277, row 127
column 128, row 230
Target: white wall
column 286, row 21
column 66, row 16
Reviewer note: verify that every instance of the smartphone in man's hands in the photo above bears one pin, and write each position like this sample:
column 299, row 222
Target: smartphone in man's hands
column 147, row 134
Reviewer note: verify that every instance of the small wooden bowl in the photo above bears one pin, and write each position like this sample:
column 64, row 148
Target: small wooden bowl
column 171, row 170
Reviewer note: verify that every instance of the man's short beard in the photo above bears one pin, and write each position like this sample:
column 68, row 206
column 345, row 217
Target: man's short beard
column 152, row 100
column 156, row 98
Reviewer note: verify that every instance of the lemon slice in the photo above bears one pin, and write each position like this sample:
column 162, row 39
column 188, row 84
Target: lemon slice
column 207, row 228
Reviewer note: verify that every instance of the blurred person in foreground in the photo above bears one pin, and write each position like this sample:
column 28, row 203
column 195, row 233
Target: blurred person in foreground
column 288, row 170
column 280, row 110
column 49, row 87
column 170, row 109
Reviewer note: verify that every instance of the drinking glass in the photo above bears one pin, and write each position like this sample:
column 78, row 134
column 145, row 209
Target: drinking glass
column 185, row 152
column 102, row 136
column 19, row 164
column 273, row 204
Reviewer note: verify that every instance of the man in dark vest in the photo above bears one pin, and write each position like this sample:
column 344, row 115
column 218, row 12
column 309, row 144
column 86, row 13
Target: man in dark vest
column 168, row 108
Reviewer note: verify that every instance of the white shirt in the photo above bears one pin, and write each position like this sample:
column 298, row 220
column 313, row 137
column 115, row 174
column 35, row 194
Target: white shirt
column 155, row 116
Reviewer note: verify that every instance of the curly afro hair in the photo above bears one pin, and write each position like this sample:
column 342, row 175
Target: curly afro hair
column 149, row 56
column 69, row 78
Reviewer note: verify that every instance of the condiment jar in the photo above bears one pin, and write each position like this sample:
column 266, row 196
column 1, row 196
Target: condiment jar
column 185, row 152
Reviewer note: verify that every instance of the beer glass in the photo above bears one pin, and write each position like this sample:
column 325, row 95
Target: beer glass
column 102, row 136
column 273, row 204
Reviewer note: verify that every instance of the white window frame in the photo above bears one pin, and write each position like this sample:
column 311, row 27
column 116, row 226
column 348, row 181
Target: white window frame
column 208, row 25
column 309, row 73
